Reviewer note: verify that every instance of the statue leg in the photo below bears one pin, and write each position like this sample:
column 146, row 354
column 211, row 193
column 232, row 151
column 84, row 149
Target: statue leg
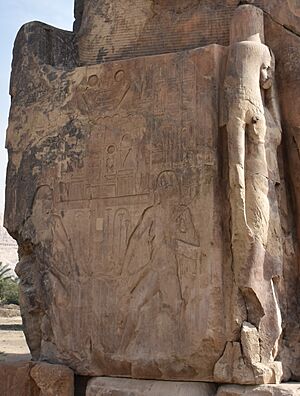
column 259, row 293
column 241, row 234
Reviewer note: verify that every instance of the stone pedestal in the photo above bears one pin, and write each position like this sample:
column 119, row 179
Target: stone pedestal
column 15, row 380
column 53, row 380
column 35, row 379
column 104, row 386
column 290, row 389
column 43, row 379
column 128, row 387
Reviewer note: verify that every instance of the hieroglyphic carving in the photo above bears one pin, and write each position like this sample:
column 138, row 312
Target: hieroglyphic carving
column 91, row 150
column 98, row 93
column 133, row 134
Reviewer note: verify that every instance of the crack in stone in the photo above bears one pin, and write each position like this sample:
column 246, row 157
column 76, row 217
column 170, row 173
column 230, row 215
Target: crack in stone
column 282, row 25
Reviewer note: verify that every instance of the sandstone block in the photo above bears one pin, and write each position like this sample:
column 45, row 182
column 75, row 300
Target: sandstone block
column 261, row 390
column 250, row 343
column 114, row 280
column 53, row 380
column 154, row 206
column 35, row 379
column 15, row 380
column 128, row 387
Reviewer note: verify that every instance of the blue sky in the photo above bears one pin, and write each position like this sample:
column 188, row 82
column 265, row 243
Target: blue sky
column 13, row 14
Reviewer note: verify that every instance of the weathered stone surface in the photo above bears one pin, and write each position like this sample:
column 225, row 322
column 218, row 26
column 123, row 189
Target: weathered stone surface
column 285, row 13
column 35, row 379
column 153, row 197
column 250, row 343
column 127, row 387
column 288, row 71
column 149, row 28
column 15, row 380
column 252, row 121
column 152, row 27
column 127, row 171
column 53, row 380
column 261, row 390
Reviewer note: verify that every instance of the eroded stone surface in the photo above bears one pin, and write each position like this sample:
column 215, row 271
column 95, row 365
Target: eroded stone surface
column 153, row 198
column 53, row 380
column 15, row 380
column 159, row 26
column 288, row 69
column 141, row 185
column 250, row 343
column 150, row 27
column 127, row 387
column 261, row 390
column 35, row 379
column 251, row 112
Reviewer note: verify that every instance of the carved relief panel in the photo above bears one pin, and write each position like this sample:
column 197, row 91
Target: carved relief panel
column 132, row 203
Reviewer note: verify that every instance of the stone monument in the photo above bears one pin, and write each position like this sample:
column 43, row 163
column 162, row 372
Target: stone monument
column 153, row 190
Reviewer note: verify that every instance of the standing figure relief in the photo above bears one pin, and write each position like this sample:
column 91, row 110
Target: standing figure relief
column 151, row 264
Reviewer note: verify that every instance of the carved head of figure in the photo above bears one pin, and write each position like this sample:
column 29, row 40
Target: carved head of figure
column 267, row 71
column 167, row 187
column 247, row 24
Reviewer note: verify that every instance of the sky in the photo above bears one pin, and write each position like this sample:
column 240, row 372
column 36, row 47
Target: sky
column 13, row 14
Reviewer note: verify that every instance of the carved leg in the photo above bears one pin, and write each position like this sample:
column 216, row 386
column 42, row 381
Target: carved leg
column 270, row 326
column 241, row 234
column 147, row 288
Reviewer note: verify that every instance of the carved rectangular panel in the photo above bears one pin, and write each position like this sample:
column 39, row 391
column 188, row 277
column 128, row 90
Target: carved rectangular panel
column 125, row 218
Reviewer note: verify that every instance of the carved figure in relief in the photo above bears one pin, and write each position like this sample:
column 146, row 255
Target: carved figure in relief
column 110, row 159
column 121, row 226
column 54, row 269
column 249, row 77
column 164, row 231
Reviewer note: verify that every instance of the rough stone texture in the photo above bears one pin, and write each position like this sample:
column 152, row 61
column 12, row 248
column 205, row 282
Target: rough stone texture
column 15, row 380
column 127, row 387
column 121, row 184
column 250, row 114
column 261, row 390
column 150, row 27
column 288, row 70
column 285, row 13
column 53, row 380
column 111, row 30
column 35, row 379
column 155, row 199
column 250, row 343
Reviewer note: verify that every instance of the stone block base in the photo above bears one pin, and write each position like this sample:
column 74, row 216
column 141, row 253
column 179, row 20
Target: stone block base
column 42, row 379
column 290, row 389
column 15, row 380
column 129, row 387
column 35, row 379
column 103, row 386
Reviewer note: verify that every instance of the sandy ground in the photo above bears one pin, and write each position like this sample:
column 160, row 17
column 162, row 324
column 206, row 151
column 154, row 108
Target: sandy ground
column 13, row 346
